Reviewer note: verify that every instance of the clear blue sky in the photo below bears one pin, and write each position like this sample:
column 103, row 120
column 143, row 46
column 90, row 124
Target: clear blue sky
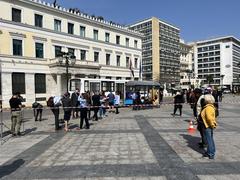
column 197, row 19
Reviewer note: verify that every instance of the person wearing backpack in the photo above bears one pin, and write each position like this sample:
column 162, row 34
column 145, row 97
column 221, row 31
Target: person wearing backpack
column 67, row 108
column 37, row 111
column 54, row 103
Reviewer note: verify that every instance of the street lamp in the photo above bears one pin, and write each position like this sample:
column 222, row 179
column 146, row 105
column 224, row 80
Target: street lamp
column 69, row 58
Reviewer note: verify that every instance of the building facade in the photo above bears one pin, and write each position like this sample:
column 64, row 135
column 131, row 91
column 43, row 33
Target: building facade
column 186, row 66
column 161, row 53
column 33, row 32
column 220, row 59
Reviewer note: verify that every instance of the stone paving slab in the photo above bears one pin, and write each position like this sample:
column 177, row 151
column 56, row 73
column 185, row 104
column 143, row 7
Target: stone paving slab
column 92, row 149
column 8, row 151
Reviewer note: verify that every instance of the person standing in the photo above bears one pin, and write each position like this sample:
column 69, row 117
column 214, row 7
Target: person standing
column 178, row 101
column 111, row 99
column 117, row 102
column 209, row 120
column 37, row 111
column 15, row 105
column 83, row 110
column 55, row 109
column 96, row 103
column 74, row 101
column 67, row 108
column 102, row 109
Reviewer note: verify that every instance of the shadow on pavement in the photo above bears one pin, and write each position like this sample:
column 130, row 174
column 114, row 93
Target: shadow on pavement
column 10, row 168
column 28, row 131
column 192, row 142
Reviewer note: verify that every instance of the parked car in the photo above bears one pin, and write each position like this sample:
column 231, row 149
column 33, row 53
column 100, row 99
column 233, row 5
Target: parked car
column 226, row 91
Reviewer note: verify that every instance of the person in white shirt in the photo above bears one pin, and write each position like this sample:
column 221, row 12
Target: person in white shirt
column 117, row 102
column 55, row 110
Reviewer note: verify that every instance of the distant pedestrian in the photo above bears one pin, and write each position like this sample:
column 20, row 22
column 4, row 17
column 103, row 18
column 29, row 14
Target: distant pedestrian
column 67, row 108
column 83, row 104
column 37, row 111
column 74, row 101
column 209, row 119
column 96, row 103
column 54, row 102
column 15, row 105
column 102, row 109
column 178, row 101
column 117, row 102
column 111, row 99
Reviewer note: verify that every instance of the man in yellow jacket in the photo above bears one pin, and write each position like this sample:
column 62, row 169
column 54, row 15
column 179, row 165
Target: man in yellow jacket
column 209, row 120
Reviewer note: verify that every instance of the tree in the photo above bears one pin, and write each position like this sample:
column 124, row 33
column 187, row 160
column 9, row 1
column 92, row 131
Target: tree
column 209, row 78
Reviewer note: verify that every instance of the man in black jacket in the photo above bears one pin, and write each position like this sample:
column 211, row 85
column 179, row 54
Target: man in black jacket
column 178, row 101
column 96, row 103
column 74, row 101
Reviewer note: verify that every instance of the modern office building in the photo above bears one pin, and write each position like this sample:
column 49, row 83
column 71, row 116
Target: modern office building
column 219, row 58
column 33, row 32
column 161, row 53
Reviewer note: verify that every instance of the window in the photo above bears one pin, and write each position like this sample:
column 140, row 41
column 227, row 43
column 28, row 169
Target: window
column 71, row 51
column 96, row 56
column 127, row 42
column 117, row 39
column 118, row 60
column 16, row 15
column 82, row 31
column 136, row 63
column 17, row 47
column 107, row 37
column 57, row 25
column 83, row 54
column 58, row 50
column 38, row 20
column 70, row 28
column 95, row 34
column 18, row 83
column 127, row 61
column 39, row 50
column 40, row 83
column 107, row 59
column 135, row 43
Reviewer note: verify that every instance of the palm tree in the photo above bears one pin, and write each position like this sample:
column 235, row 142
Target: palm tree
column 209, row 78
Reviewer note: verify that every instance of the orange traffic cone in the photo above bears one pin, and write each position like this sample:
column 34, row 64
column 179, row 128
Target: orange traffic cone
column 191, row 128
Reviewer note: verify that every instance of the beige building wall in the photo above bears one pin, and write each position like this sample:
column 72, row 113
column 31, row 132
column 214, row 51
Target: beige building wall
column 155, row 50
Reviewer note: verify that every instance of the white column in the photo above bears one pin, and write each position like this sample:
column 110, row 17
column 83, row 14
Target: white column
column 59, row 84
column 30, row 89
column 6, row 89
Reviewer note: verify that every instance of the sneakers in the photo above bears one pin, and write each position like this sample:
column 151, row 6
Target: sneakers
column 206, row 155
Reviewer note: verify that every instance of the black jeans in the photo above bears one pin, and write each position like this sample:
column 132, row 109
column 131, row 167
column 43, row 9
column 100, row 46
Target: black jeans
column 95, row 114
column 83, row 114
column 116, row 106
column 38, row 112
column 177, row 107
column 55, row 111
column 201, row 128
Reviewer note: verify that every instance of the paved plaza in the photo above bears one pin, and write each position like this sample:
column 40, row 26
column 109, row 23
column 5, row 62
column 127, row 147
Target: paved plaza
column 146, row 145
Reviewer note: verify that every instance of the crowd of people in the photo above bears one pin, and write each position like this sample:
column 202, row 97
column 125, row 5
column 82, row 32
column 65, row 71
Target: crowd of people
column 82, row 105
column 205, row 106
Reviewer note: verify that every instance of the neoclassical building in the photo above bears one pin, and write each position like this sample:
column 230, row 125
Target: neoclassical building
column 33, row 32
